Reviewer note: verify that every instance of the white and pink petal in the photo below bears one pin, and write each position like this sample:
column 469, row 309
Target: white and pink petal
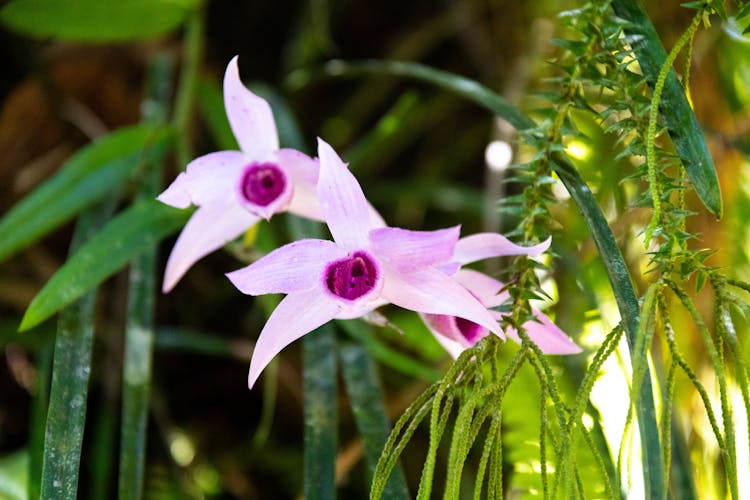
column 546, row 335
column 486, row 245
column 209, row 228
column 407, row 250
column 207, row 179
column 296, row 315
column 431, row 291
column 294, row 267
column 342, row 201
column 250, row 117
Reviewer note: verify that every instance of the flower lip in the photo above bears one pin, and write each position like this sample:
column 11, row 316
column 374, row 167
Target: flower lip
column 353, row 277
column 465, row 332
column 264, row 188
column 471, row 331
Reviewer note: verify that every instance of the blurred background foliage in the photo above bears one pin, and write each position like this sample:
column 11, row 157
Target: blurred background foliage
column 419, row 153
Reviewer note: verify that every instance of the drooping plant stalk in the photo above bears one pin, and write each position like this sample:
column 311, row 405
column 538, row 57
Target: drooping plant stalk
column 655, row 185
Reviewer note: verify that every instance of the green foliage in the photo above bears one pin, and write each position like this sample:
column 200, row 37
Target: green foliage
column 134, row 231
column 95, row 20
column 676, row 113
column 503, row 420
column 71, row 369
column 100, row 169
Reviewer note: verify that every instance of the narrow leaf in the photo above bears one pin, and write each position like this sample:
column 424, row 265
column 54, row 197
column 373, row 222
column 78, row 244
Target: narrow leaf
column 71, row 367
column 139, row 329
column 38, row 416
column 94, row 20
column 88, row 176
column 675, row 109
column 321, row 436
column 132, row 232
column 367, row 400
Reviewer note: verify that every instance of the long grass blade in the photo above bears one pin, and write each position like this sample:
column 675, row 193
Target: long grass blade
column 93, row 172
column 132, row 232
column 71, row 368
column 366, row 396
column 139, row 329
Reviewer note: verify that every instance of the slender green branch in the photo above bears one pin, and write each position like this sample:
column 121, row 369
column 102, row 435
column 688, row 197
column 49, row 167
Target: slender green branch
column 677, row 114
column 655, row 185
column 729, row 450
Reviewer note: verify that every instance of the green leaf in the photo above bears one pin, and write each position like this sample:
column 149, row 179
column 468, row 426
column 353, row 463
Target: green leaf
column 95, row 20
column 92, row 173
column 139, row 329
column 71, row 368
column 366, row 396
column 132, row 232
column 321, row 409
column 676, row 112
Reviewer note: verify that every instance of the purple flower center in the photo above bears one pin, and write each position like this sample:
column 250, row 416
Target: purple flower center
column 471, row 331
column 262, row 183
column 352, row 277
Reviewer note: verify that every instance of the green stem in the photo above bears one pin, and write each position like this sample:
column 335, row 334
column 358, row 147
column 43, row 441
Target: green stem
column 653, row 179
column 38, row 418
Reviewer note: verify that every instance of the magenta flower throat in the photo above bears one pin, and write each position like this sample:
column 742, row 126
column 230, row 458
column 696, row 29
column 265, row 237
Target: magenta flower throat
column 352, row 277
column 262, row 183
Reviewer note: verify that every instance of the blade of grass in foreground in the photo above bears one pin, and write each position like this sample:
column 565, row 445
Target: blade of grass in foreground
column 609, row 252
column 366, row 396
column 71, row 367
column 90, row 174
column 139, row 328
column 321, row 409
column 133, row 231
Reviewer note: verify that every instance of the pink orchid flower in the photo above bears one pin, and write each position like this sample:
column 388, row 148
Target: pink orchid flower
column 365, row 266
column 457, row 334
column 235, row 189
